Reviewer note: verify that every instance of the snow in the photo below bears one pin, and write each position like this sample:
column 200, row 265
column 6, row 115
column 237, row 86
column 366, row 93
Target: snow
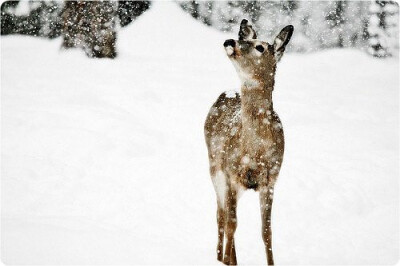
column 230, row 94
column 104, row 161
column 23, row 8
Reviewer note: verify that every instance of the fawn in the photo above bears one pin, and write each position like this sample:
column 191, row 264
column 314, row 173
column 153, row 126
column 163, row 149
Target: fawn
column 244, row 136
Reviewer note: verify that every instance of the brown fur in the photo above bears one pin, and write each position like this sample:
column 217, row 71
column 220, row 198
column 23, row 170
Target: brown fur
column 245, row 142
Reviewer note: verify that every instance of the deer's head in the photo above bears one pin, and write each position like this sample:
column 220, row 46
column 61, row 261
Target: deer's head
column 253, row 59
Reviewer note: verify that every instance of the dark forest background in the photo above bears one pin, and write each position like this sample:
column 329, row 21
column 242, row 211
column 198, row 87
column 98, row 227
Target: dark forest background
column 372, row 26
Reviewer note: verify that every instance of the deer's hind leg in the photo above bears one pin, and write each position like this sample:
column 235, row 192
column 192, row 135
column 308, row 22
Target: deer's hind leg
column 219, row 181
column 221, row 231
column 233, row 255
column 230, row 225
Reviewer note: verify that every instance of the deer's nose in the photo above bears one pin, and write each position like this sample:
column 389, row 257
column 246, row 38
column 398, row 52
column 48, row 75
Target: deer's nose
column 229, row 42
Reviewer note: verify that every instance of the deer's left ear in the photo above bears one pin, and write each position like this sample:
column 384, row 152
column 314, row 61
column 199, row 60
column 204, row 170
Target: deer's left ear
column 246, row 31
column 281, row 40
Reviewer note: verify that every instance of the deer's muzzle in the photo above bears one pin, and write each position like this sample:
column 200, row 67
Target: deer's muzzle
column 229, row 42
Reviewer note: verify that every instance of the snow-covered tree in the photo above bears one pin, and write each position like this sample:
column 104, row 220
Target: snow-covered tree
column 355, row 28
column 43, row 18
column 273, row 17
column 318, row 24
column 383, row 28
column 226, row 14
column 335, row 17
column 90, row 25
column 37, row 18
column 128, row 11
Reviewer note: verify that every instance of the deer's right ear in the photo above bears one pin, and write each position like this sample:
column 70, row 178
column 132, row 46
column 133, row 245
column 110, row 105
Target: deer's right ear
column 246, row 31
column 282, row 40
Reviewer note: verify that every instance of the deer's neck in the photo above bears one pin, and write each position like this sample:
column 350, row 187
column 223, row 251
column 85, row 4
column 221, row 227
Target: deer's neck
column 257, row 109
column 256, row 102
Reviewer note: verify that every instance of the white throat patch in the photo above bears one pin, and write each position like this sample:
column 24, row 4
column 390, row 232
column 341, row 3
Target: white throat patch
column 251, row 83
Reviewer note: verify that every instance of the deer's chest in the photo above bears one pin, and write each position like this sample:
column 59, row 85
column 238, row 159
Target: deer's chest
column 255, row 158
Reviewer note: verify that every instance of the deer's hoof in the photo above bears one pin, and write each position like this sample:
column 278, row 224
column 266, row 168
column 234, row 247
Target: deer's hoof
column 227, row 261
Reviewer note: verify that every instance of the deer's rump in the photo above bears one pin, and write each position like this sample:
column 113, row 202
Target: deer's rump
column 223, row 119
column 221, row 128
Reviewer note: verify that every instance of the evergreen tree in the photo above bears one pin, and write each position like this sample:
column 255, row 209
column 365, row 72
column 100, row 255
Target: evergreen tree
column 336, row 19
column 43, row 18
column 128, row 11
column 302, row 41
column 90, row 25
column 383, row 28
column 318, row 24
column 40, row 18
column 226, row 14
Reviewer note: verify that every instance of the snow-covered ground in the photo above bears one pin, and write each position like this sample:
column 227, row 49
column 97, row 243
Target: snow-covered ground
column 104, row 161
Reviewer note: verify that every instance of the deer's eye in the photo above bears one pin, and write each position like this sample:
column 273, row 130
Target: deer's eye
column 260, row 48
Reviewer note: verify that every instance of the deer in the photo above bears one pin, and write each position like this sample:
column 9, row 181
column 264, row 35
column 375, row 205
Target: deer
column 244, row 136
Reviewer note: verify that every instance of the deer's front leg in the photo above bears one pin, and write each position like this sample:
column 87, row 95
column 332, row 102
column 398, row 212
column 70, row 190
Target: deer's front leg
column 221, row 224
column 266, row 196
column 230, row 226
column 233, row 255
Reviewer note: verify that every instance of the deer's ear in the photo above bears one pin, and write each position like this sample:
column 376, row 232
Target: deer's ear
column 281, row 40
column 246, row 31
